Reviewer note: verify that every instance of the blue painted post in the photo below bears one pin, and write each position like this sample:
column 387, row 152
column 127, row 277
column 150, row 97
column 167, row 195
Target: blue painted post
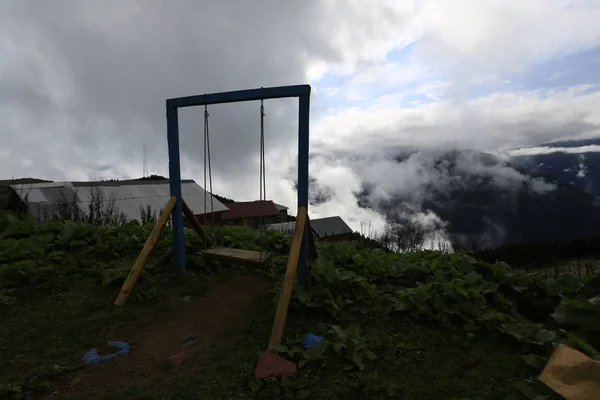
column 303, row 152
column 175, row 186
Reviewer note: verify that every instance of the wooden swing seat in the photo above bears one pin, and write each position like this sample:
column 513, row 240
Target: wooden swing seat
column 225, row 254
column 236, row 256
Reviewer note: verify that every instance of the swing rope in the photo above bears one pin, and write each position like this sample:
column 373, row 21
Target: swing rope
column 207, row 163
column 263, row 181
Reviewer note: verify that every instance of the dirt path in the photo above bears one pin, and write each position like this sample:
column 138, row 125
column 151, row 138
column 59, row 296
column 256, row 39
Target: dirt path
column 222, row 308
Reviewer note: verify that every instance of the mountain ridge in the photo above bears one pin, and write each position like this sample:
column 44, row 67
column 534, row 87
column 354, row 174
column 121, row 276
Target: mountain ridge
column 577, row 169
column 491, row 202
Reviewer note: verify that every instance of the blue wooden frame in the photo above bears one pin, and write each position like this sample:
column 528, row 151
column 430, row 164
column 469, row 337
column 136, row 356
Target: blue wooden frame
column 300, row 91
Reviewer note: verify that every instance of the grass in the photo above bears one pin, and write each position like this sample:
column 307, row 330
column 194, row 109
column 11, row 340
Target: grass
column 416, row 361
column 42, row 338
column 413, row 326
column 422, row 363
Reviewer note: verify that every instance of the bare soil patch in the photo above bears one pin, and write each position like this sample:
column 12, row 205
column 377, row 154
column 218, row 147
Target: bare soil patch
column 201, row 320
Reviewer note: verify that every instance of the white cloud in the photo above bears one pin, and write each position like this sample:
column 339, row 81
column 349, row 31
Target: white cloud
column 344, row 183
column 432, row 90
column 499, row 36
column 366, row 31
column 409, row 181
column 389, row 74
column 316, row 70
column 497, row 121
column 530, row 151
column 463, row 42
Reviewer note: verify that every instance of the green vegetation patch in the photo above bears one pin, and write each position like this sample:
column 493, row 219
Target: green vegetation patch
column 413, row 326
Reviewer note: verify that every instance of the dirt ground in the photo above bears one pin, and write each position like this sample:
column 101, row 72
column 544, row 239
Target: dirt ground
column 204, row 318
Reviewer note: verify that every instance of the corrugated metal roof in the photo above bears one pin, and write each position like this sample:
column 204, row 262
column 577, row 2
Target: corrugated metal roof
column 42, row 192
column 329, row 226
column 128, row 198
column 58, row 193
column 250, row 209
column 322, row 227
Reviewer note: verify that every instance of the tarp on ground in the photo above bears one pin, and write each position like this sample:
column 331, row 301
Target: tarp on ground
column 572, row 374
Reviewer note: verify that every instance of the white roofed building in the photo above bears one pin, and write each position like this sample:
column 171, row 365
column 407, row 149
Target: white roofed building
column 126, row 198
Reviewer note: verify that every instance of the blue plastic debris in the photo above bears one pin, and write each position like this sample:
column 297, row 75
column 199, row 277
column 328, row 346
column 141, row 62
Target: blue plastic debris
column 92, row 357
column 189, row 340
column 310, row 340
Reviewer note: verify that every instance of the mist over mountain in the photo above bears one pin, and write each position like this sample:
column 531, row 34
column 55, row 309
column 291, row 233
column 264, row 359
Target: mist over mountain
column 475, row 198
column 576, row 162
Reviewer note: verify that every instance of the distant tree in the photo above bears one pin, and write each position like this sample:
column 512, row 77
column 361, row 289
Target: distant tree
column 407, row 236
column 147, row 215
column 102, row 210
column 368, row 242
column 64, row 205
column 153, row 178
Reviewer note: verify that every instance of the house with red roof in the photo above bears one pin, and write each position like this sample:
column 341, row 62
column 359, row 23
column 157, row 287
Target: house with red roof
column 251, row 213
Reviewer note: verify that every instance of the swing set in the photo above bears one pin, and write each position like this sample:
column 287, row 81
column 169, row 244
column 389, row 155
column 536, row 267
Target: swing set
column 302, row 92
column 302, row 241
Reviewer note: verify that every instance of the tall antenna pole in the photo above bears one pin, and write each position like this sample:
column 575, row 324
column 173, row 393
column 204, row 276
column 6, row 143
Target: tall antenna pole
column 145, row 167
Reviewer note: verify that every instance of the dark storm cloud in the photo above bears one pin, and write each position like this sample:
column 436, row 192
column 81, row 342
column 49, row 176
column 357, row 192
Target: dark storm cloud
column 96, row 75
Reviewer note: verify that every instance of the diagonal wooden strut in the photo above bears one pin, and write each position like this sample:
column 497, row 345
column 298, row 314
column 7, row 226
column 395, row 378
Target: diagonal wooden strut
column 288, row 281
column 136, row 270
column 196, row 225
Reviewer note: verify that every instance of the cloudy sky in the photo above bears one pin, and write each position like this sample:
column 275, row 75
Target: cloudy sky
column 83, row 86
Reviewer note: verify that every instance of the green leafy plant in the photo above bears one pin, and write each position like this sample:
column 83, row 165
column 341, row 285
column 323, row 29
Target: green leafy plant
column 351, row 345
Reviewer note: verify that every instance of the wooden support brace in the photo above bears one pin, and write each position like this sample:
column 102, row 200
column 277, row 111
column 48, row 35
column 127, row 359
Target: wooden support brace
column 136, row 270
column 196, row 225
column 288, row 281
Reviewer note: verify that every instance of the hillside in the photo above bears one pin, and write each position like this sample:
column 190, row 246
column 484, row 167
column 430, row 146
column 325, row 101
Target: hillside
column 485, row 202
column 425, row 325
column 519, row 214
column 578, row 169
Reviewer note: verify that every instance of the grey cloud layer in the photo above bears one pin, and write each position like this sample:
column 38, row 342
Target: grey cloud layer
column 93, row 78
